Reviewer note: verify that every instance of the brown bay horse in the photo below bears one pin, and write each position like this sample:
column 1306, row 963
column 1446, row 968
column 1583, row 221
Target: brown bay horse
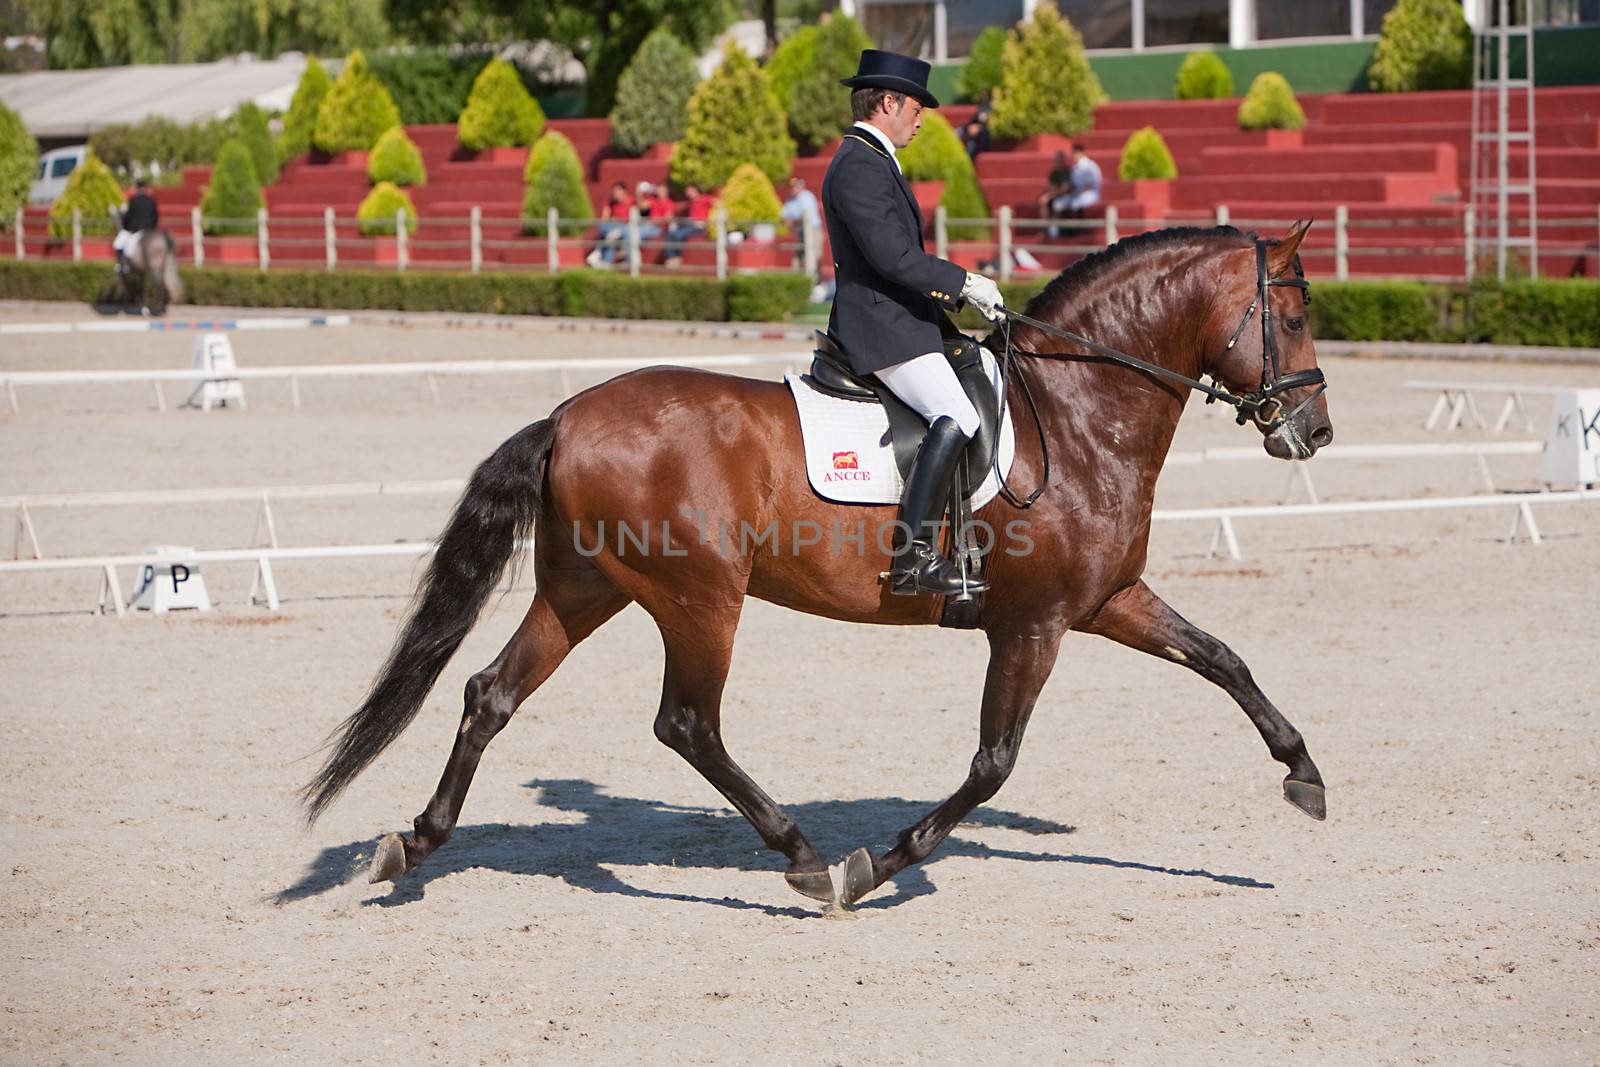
column 686, row 492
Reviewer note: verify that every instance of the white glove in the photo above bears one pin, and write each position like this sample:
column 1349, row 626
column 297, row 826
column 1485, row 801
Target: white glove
column 984, row 295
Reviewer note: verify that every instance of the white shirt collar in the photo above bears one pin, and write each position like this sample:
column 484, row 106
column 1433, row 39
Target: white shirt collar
column 883, row 139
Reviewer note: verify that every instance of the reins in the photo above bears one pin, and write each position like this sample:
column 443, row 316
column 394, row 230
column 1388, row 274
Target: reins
column 1263, row 405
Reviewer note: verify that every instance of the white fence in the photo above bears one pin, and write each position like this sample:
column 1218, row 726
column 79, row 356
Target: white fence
column 270, row 322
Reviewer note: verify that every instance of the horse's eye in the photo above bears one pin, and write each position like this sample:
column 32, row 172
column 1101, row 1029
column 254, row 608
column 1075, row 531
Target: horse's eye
column 1294, row 325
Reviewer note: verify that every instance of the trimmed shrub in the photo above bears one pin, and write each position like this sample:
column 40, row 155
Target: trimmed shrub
column 1270, row 105
column 554, row 178
column 748, row 197
column 356, row 111
column 1145, row 155
column 395, row 159
column 653, row 93
column 19, row 157
column 1376, row 311
column 500, row 113
column 1424, row 44
column 93, row 190
column 818, row 106
column 428, row 86
column 795, row 55
column 935, row 155
column 251, row 123
column 733, row 119
column 985, row 65
column 1202, row 76
column 232, row 199
column 1535, row 311
column 377, row 211
column 301, row 121
column 761, row 297
column 1048, row 85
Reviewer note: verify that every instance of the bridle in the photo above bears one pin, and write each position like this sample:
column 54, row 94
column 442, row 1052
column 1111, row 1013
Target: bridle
column 1262, row 405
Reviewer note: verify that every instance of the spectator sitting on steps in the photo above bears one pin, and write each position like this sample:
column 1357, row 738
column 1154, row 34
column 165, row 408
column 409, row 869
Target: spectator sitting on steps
column 613, row 226
column 696, row 214
column 1082, row 187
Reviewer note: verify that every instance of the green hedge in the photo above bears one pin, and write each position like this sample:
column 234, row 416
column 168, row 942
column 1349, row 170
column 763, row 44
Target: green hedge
column 1561, row 313
column 591, row 294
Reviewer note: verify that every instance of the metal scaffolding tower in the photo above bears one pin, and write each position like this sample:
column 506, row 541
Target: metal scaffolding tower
column 1495, row 192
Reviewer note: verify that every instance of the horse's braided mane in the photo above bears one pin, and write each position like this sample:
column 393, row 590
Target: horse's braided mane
column 1078, row 277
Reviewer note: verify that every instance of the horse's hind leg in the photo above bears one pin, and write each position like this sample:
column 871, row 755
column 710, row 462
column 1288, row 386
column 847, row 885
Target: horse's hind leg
column 1019, row 663
column 560, row 617
column 690, row 723
column 1138, row 618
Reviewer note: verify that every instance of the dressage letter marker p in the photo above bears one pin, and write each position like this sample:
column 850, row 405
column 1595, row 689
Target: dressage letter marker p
column 166, row 585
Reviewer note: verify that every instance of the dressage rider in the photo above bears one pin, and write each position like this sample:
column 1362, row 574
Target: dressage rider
column 886, row 312
column 140, row 215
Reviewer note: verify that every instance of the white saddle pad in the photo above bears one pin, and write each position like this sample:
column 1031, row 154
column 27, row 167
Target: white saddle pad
column 847, row 457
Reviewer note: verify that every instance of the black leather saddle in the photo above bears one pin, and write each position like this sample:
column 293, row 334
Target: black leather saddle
column 830, row 373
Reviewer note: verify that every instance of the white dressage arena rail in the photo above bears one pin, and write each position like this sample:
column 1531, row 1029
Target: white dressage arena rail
column 424, row 369
column 1457, row 402
column 269, row 322
column 27, row 534
column 1224, row 534
column 1522, row 502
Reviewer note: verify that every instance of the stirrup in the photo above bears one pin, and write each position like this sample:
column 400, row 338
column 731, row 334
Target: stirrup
column 921, row 570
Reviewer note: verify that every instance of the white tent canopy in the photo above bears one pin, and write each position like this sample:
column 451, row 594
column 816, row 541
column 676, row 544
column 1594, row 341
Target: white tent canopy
column 60, row 104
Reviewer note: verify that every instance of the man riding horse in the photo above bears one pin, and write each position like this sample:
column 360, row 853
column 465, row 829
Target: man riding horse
column 139, row 217
column 887, row 309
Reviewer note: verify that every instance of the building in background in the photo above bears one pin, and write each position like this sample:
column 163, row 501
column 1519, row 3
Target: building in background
column 939, row 30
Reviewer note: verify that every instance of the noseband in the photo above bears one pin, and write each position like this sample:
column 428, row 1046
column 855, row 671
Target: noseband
column 1263, row 405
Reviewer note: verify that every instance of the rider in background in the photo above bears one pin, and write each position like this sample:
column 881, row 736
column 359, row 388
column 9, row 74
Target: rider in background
column 141, row 214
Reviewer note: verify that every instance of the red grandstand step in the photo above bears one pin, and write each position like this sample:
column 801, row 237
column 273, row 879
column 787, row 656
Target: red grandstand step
column 1437, row 160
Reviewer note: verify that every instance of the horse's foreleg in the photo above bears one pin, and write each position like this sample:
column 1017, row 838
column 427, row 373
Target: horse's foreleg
column 1018, row 667
column 690, row 723
column 547, row 633
column 1138, row 618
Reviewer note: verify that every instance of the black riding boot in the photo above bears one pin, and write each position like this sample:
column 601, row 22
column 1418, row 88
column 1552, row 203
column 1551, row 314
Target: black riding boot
column 918, row 566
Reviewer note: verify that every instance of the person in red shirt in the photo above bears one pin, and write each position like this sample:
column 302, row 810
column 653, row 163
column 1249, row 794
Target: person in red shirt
column 657, row 210
column 614, row 226
column 696, row 216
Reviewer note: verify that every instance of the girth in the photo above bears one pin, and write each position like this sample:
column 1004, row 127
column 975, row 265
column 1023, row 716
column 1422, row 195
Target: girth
column 831, row 373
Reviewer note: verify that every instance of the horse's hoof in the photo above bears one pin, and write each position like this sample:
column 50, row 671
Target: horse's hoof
column 1309, row 798
column 814, row 884
column 389, row 862
column 859, row 876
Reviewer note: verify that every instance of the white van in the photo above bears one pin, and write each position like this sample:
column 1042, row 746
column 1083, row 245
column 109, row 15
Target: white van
column 54, row 167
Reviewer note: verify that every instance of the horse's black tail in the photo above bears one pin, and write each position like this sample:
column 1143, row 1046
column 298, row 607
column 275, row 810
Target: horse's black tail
column 494, row 514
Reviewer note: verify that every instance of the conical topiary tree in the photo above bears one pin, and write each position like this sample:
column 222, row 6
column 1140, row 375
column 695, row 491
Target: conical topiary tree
column 232, row 199
column 250, row 126
column 499, row 111
column 395, row 159
column 1424, row 44
column 376, row 213
column 748, row 197
column 653, row 93
column 1202, row 76
column 301, row 121
column 356, row 111
column 93, row 190
column 554, row 179
column 985, row 64
column 1048, row 86
column 1270, row 105
column 819, row 107
column 1145, row 155
column 794, row 55
column 733, row 119
column 935, row 155
column 19, row 156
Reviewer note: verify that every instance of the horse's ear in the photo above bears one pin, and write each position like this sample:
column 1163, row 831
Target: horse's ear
column 1281, row 256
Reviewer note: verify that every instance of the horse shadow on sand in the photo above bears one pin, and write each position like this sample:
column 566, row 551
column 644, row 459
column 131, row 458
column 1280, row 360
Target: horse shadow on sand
column 619, row 832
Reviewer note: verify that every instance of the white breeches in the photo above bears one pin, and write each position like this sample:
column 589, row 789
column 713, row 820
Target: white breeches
column 931, row 388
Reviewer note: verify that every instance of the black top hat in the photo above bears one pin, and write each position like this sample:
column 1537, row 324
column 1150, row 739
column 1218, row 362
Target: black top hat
column 890, row 70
